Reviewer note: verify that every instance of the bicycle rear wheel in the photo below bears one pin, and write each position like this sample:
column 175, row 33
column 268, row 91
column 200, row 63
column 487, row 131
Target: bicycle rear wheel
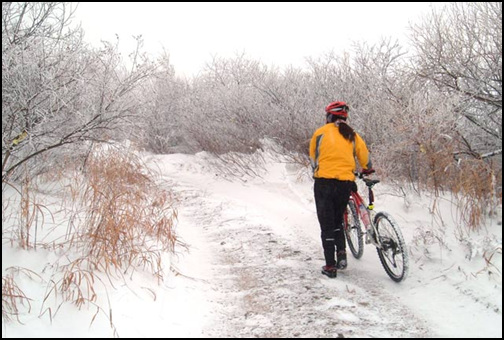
column 353, row 231
column 392, row 253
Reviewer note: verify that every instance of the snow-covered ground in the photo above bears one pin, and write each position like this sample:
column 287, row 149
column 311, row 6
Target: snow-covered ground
column 252, row 269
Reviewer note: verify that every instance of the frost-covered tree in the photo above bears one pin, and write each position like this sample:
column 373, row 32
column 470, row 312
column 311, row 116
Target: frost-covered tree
column 460, row 50
column 166, row 104
column 227, row 109
column 56, row 90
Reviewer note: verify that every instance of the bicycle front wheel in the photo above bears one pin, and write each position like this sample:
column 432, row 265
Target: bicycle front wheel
column 353, row 231
column 392, row 251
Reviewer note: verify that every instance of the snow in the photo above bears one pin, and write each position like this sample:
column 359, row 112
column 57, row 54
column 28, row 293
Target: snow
column 252, row 268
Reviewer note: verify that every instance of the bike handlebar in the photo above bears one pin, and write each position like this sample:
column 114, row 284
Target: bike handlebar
column 369, row 182
column 361, row 174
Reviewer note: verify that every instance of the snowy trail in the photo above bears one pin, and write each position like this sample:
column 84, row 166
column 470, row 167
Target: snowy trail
column 267, row 272
column 252, row 263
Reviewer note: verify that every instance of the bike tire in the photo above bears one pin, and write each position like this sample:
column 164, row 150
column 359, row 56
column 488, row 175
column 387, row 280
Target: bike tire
column 353, row 231
column 393, row 254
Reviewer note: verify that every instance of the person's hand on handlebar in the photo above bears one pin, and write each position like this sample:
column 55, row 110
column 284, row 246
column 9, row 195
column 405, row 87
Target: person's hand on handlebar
column 367, row 172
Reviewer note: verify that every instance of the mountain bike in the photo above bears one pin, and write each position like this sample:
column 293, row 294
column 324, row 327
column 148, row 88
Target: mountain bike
column 380, row 230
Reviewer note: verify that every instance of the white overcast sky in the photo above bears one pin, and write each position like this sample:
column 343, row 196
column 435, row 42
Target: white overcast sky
column 280, row 33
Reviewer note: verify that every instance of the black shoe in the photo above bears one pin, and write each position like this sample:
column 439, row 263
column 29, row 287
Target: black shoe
column 330, row 271
column 342, row 260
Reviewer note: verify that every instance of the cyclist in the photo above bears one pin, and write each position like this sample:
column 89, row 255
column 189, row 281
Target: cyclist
column 333, row 149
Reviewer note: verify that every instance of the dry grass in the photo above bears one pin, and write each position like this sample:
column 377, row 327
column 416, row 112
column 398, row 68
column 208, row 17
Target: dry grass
column 490, row 267
column 13, row 298
column 29, row 217
column 474, row 187
column 119, row 221
column 429, row 164
column 238, row 165
column 129, row 221
column 78, row 287
column 122, row 222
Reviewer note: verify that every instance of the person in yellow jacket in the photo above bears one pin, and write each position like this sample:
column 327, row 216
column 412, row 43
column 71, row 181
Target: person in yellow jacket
column 333, row 150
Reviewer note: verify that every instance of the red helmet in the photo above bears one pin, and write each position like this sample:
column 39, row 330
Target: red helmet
column 338, row 109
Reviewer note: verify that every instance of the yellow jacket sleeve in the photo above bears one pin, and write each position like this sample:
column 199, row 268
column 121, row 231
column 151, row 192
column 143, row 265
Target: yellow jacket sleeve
column 312, row 152
column 362, row 153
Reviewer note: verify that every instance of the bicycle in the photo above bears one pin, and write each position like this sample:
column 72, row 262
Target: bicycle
column 381, row 230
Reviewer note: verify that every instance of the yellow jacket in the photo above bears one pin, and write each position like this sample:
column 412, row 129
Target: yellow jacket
column 332, row 156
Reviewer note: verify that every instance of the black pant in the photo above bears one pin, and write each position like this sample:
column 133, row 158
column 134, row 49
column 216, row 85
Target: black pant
column 331, row 199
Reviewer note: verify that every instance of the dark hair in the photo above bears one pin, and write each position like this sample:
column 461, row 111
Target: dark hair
column 346, row 131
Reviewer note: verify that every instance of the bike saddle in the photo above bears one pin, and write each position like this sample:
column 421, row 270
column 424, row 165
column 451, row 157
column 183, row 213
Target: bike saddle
column 371, row 182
